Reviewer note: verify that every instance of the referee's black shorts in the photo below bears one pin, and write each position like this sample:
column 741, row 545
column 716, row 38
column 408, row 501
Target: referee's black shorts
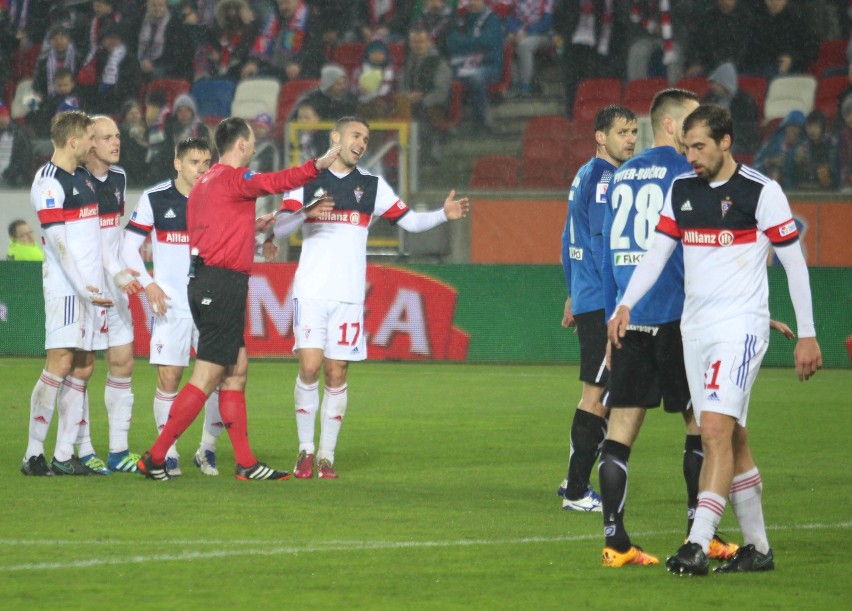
column 649, row 368
column 217, row 300
column 591, row 331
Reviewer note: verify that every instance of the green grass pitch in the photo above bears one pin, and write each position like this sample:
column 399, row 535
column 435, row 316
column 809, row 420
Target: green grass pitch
column 446, row 500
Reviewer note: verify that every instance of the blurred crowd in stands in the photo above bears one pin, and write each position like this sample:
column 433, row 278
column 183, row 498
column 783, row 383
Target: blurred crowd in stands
column 168, row 69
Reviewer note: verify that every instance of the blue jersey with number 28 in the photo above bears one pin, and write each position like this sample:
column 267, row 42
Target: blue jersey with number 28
column 634, row 202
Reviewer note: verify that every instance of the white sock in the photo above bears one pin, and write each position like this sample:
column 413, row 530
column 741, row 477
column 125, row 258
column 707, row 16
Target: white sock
column 42, row 404
column 162, row 405
column 708, row 514
column 746, row 493
column 84, row 434
column 118, row 399
column 71, row 404
column 213, row 426
column 306, row 398
column 331, row 416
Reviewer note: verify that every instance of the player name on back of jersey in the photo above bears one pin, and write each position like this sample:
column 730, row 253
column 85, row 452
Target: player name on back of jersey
column 173, row 237
column 655, row 172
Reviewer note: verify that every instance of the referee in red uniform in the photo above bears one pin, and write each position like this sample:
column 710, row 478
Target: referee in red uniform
column 221, row 222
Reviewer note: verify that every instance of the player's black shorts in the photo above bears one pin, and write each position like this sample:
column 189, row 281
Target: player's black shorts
column 591, row 331
column 649, row 367
column 217, row 300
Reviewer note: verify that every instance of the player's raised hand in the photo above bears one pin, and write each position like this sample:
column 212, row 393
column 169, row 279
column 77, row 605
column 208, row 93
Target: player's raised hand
column 568, row 315
column 456, row 208
column 156, row 298
column 807, row 357
column 617, row 326
column 326, row 160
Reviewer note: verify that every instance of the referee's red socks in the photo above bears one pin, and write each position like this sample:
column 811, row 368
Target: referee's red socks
column 232, row 409
column 185, row 409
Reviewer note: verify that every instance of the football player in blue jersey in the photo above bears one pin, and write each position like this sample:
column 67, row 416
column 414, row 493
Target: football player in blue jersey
column 615, row 138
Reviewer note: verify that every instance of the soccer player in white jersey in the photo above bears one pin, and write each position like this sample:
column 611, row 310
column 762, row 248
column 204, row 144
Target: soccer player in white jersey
column 161, row 212
column 75, row 308
column 727, row 216
column 329, row 287
column 110, row 183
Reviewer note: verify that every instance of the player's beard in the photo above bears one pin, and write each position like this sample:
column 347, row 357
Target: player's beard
column 711, row 171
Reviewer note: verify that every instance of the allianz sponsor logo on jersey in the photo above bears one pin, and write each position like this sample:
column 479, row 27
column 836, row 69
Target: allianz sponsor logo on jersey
column 110, row 220
column 353, row 217
column 177, row 237
column 173, row 237
column 708, row 237
column 88, row 211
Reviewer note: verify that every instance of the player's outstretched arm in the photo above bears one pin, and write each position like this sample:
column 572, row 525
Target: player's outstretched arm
column 456, row 208
column 326, row 160
column 807, row 357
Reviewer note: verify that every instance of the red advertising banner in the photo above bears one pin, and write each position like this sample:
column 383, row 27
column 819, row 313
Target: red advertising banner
column 407, row 316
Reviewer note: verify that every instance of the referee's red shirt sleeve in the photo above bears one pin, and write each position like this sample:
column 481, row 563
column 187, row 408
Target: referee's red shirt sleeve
column 280, row 181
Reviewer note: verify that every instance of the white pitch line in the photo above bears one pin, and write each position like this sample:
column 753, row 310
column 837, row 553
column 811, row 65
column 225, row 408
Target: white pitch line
column 330, row 546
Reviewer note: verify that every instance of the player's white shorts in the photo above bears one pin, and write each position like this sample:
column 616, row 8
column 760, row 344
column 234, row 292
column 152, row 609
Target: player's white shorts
column 721, row 374
column 171, row 340
column 333, row 326
column 75, row 324
column 64, row 322
column 120, row 321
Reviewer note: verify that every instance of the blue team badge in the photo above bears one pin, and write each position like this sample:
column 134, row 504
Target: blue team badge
column 49, row 200
column 726, row 205
column 249, row 174
column 133, row 216
column 359, row 193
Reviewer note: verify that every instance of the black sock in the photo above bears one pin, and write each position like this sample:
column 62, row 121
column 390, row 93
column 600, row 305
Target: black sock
column 693, row 457
column 612, row 475
column 587, row 432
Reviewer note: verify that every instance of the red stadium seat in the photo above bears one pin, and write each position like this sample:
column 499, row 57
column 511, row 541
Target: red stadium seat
column 454, row 113
column 397, row 53
column 24, row 61
column 592, row 94
column 831, row 58
column 829, row 89
column 547, row 128
column 349, row 55
column 288, row 95
column 638, row 94
column 698, row 85
column 756, row 87
column 172, row 87
column 502, row 86
column 495, row 172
